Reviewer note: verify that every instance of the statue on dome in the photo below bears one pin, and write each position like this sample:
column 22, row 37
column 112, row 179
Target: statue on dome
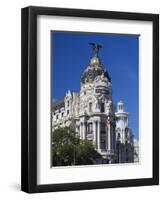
column 95, row 48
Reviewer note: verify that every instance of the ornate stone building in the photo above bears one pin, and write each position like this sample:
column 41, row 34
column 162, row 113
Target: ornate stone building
column 94, row 117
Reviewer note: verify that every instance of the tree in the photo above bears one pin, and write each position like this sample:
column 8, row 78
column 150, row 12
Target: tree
column 69, row 149
column 86, row 153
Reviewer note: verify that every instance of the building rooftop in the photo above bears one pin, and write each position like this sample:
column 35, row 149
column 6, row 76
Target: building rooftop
column 57, row 104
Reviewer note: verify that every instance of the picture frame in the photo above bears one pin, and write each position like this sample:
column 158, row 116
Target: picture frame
column 29, row 98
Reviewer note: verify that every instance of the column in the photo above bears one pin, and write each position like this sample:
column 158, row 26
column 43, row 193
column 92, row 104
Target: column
column 123, row 135
column 81, row 131
column 94, row 133
column 84, row 130
column 112, row 138
column 109, row 141
column 98, row 135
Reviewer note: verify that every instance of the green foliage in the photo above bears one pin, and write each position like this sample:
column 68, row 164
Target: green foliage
column 68, row 149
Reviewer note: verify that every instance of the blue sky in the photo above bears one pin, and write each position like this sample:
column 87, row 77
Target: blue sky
column 71, row 53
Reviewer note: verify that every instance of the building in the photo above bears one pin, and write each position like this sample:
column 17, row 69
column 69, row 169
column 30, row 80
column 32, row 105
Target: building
column 93, row 115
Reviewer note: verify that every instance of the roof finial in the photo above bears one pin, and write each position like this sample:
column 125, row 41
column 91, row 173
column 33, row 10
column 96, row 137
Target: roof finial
column 95, row 48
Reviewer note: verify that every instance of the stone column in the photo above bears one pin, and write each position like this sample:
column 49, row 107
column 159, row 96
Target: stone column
column 109, row 141
column 84, row 130
column 112, row 137
column 98, row 135
column 81, row 131
column 123, row 135
column 94, row 133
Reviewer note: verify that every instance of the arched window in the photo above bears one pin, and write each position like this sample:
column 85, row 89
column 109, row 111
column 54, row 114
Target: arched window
column 90, row 106
column 102, row 107
column 118, row 137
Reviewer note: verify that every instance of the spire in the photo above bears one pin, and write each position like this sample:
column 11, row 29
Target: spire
column 95, row 48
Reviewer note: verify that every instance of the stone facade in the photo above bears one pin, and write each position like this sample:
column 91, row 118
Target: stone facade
column 93, row 115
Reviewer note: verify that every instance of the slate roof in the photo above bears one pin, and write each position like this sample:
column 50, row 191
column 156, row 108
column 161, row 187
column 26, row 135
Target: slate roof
column 57, row 104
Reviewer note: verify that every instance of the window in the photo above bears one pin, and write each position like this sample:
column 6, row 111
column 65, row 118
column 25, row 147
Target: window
column 90, row 128
column 56, row 116
column 90, row 107
column 127, row 154
column 68, row 103
column 126, row 134
column 62, row 114
column 102, row 107
column 103, row 128
column 121, row 107
column 67, row 112
column 103, row 144
column 118, row 137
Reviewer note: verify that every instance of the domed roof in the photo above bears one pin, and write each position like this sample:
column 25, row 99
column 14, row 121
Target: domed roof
column 93, row 70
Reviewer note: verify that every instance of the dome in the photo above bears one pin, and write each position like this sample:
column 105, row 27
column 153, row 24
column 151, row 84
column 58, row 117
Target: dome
column 95, row 61
column 120, row 102
column 93, row 70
